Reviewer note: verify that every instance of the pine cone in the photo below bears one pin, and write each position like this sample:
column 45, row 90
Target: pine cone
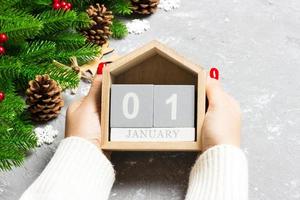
column 99, row 31
column 44, row 98
column 144, row 7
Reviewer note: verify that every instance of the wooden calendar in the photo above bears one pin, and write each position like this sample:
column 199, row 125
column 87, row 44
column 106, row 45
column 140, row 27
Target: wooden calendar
column 152, row 100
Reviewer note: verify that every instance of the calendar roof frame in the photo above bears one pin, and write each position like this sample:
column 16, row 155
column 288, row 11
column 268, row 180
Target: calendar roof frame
column 147, row 51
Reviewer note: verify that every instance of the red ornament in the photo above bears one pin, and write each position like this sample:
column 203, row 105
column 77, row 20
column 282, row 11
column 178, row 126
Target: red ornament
column 3, row 37
column 56, row 6
column 2, row 50
column 2, row 96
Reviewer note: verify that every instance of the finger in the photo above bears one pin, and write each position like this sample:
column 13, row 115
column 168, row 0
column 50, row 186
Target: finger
column 214, row 91
column 94, row 94
column 73, row 106
column 95, row 91
column 93, row 99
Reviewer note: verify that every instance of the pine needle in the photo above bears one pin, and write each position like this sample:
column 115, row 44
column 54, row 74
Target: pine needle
column 118, row 29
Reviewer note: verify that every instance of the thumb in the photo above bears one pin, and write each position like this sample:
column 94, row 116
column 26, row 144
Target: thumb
column 96, row 87
column 214, row 91
column 94, row 94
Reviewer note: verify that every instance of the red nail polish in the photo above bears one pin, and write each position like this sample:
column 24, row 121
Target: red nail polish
column 100, row 68
column 214, row 73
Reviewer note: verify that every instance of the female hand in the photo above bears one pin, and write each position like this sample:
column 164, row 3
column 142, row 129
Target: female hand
column 83, row 116
column 222, row 122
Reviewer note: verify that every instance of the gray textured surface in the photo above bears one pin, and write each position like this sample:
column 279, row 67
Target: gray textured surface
column 256, row 45
column 185, row 106
column 143, row 106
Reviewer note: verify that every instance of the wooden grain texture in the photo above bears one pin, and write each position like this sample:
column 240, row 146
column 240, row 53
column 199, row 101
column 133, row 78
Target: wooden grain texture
column 106, row 83
column 153, row 64
column 151, row 146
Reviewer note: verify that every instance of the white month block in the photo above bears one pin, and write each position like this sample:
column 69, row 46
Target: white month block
column 131, row 105
column 174, row 106
column 152, row 134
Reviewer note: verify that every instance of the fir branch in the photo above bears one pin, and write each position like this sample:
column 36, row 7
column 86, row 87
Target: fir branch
column 10, row 157
column 84, row 54
column 13, row 14
column 16, row 135
column 21, row 74
column 22, row 27
column 34, row 3
column 82, row 21
column 19, row 135
column 57, row 20
column 34, row 6
column 120, row 7
column 7, row 4
column 37, row 35
column 81, row 4
column 118, row 29
column 67, row 78
column 37, row 51
column 66, row 40
column 12, row 106
column 9, row 69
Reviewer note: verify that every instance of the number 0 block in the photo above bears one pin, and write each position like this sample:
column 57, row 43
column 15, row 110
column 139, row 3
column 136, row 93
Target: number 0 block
column 131, row 106
column 174, row 106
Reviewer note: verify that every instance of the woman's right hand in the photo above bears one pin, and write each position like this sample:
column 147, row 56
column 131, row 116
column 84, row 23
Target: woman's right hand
column 222, row 123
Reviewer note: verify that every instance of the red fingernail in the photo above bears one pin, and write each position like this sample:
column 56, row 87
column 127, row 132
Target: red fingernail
column 100, row 68
column 214, row 73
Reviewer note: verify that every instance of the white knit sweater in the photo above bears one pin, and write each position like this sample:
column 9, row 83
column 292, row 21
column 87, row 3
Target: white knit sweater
column 79, row 171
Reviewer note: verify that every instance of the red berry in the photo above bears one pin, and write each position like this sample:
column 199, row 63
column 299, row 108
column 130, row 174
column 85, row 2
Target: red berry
column 65, row 7
column 63, row 4
column 56, row 6
column 56, row 1
column 3, row 38
column 2, row 96
column 69, row 5
column 2, row 50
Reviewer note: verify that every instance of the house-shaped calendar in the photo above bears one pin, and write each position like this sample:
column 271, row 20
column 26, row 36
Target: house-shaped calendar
column 152, row 100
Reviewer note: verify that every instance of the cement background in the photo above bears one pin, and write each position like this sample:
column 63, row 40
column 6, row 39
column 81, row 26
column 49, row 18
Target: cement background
column 256, row 46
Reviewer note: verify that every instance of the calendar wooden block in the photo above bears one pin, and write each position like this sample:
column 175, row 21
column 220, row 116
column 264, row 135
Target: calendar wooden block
column 174, row 106
column 152, row 134
column 158, row 65
column 131, row 105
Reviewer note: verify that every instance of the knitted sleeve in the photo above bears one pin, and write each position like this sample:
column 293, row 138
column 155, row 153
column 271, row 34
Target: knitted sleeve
column 220, row 173
column 78, row 170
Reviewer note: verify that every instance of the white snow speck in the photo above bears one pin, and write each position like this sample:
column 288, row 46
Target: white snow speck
column 264, row 100
column 138, row 26
column 168, row 5
column 274, row 131
column 246, row 151
column 114, row 194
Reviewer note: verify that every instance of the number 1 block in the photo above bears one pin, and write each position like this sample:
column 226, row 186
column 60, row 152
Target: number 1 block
column 174, row 106
column 131, row 106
